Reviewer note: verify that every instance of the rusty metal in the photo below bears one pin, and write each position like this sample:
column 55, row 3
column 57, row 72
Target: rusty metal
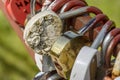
column 110, row 50
column 107, row 41
column 66, row 48
column 77, row 22
column 116, row 50
column 54, row 5
column 79, row 63
column 71, row 4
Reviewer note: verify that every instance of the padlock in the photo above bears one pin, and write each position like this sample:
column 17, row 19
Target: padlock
column 82, row 31
column 43, row 29
column 110, row 50
column 43, row 62
column 107, row 41
column 85, row 65
column 116, row 67
column 66, row 48
column 36, row 35
column 19, row 9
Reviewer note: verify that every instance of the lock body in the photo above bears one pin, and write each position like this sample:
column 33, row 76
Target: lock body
column 42, row 30
column 64, row 52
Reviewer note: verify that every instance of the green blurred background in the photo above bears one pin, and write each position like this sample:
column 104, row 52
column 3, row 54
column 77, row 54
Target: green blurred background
column 16, row 63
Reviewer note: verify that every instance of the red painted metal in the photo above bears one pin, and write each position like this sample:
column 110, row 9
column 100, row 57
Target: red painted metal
column 19, row 9
column 16, row 28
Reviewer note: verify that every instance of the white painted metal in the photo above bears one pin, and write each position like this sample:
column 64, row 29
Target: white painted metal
column 81, row 66
column 38, row 59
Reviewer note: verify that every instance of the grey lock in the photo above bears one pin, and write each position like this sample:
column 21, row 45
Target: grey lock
column 87, row 55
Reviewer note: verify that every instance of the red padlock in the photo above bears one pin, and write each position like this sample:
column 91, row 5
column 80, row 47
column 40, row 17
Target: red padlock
column 19, row 9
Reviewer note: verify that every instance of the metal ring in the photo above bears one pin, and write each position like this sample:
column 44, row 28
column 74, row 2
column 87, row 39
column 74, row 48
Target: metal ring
column 99, row 39
column 32, row 7
column 110, row 49
column 107, row 41
column 98, row 18
column 71, row 4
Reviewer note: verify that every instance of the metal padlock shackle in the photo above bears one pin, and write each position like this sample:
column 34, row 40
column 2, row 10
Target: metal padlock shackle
column 54, row 5
column 109, row 25
column 32, row 7
column 71, row 4
column 80, row 11
column 110, row 50
column 68, row 14
column 46, row 3
column 92, row 23
column 79, row 63
column 108, row 39
column 76, row 4
column 98, row 18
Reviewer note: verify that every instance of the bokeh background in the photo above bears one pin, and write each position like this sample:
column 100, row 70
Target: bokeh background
column 16, row 63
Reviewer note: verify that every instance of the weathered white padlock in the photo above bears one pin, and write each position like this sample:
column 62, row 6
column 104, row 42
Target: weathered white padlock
column 43, row 62
column 41, row 32
column 86, row 62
